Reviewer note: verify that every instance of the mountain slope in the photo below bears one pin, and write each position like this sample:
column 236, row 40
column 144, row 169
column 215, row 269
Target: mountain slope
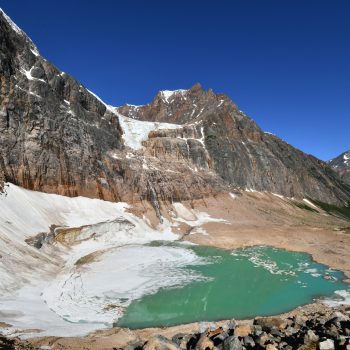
column 56, row 136
column 341, row 165
column 235, row 147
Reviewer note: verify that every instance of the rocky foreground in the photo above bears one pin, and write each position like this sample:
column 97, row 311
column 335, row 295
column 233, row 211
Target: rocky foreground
column 315, row 326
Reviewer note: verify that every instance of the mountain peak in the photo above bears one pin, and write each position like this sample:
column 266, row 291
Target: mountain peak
column 177, row 106
column 196, row 88
column 18, row 31
column 341, row 164
column 167, row 95
column 13, row 25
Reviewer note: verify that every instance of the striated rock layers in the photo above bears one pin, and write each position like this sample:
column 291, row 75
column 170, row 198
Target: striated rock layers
column 56, row 136
column 235, row 147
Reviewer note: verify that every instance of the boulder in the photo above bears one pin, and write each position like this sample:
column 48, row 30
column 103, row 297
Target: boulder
column 271, row 347
column 178, row 338
column 340, row 317
column 160, row 342
column 249, row 341
column 269, row 322
column 327, row 344
column 243, row 330
column 262, row 339
column 207, row 327
column 311, row 336
column 204, row 343
column 232, row 343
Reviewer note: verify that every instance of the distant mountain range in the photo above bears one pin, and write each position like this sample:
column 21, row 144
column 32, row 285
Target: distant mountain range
column 56, row 136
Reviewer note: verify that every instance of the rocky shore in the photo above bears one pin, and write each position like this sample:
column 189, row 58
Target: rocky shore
column 314, row 326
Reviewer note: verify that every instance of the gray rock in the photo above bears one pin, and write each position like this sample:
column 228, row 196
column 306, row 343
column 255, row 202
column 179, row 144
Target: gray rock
column 249, row 341
column 257, row 329
column 311, row 336
column 290, row 331
column 179, row 338
column 282, row 345
column 327, row 345
column 232, row 343
column 232, row 324
column 207, row 326
column 340, row 317
column 299, row 321
column 221, row 337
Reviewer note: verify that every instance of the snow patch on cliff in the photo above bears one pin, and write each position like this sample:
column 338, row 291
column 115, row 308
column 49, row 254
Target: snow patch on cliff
column 167, row 94
column 136, row 131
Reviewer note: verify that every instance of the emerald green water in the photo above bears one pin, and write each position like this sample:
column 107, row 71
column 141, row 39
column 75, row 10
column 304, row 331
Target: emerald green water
column 237, row 284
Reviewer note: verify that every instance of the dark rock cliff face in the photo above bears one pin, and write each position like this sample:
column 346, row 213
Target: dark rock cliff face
column 53, row 132
column 341, row 165
column 56, row 136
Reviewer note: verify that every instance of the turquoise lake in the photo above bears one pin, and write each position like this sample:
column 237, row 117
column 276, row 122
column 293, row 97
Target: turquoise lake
column 239, row 284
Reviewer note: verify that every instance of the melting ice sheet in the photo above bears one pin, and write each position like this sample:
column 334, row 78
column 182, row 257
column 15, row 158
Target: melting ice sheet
column 100, row 292
column 96, row 295
column 29, row 275
column 70, row 289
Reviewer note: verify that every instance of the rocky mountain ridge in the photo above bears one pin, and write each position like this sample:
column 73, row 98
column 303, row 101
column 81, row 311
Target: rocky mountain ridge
column 56, row 136
column 234, row 145
column 341, row 165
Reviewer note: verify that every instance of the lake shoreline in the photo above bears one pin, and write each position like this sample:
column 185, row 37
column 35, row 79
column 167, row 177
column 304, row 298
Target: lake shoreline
column 235, row 283
column 244, row 225
column 123, row 337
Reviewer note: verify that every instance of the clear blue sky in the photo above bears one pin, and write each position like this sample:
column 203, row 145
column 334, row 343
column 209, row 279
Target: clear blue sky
column 285, row 63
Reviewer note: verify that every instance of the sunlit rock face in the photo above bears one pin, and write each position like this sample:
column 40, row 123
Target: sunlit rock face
column 56, row 136
column 216, row 136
